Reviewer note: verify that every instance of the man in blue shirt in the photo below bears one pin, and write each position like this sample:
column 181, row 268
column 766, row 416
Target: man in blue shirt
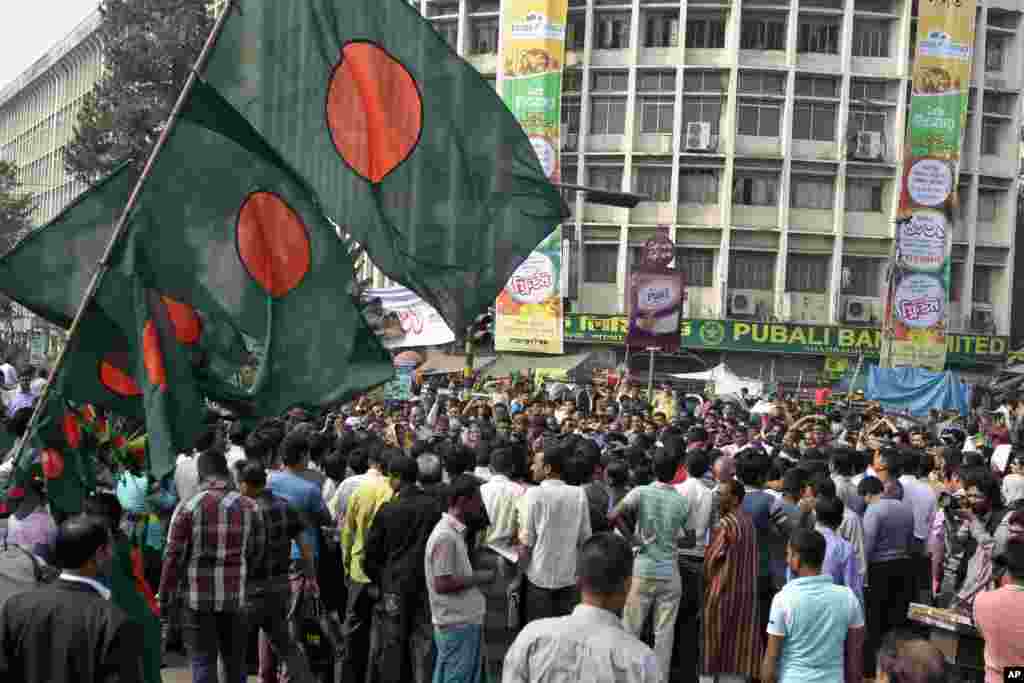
column 301, row 494
column 812, row 622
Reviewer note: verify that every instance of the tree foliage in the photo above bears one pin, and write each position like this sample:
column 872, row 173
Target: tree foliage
column 15, row 207
column 149, row 48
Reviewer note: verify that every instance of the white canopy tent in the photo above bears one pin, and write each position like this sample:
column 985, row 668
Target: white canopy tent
column 726, row 381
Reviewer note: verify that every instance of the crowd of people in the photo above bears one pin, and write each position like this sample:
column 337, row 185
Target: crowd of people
column 545, row 536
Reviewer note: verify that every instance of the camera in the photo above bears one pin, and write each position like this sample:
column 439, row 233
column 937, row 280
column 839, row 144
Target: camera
column 947, row 501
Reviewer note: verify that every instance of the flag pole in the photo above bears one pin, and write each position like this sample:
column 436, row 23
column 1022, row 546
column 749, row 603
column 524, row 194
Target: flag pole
column 103, row 265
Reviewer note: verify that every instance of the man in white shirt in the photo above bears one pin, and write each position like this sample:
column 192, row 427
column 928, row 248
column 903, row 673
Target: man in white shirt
column 557, row 523
column 499, row 552
column 9, row 374
column 591, row 644
column 39, row 382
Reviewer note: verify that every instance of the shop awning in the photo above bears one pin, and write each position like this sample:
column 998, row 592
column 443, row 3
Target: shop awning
column 521, row 363
column 439, row 363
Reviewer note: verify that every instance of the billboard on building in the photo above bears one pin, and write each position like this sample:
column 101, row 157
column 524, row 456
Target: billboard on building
column 528, row 312
column 655, row 297
column 917, row 297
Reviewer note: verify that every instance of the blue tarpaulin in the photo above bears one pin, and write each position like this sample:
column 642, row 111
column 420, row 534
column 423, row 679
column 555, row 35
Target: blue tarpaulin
column 916, row 391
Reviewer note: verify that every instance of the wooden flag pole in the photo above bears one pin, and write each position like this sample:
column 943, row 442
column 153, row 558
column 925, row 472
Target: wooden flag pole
column 121, row 228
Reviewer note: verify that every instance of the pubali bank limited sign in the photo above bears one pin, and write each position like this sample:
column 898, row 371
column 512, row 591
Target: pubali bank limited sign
column 741, row 335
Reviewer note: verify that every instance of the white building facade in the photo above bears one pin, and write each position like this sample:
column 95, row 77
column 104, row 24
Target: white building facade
column 769, row 134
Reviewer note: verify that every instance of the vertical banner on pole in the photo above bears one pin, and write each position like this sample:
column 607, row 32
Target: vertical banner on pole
column 655, row 297
column 528, row 312
column 916, row 311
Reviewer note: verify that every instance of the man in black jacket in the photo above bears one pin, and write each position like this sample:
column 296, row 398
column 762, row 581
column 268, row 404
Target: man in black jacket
column 393, row 560
column 70, row 632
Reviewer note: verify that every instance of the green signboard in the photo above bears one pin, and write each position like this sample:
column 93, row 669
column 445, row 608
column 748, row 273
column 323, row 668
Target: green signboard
column 742, row 335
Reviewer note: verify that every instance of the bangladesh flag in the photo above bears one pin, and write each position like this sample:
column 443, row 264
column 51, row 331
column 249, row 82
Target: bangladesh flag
column 407, row 147
column 225, row 226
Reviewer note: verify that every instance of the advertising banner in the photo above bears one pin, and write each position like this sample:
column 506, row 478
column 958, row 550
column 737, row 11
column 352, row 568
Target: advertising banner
column 741, row 335
column 528, row 312
column 400, row 388
column 408, row 320
column 917, row 300
column 655, row 297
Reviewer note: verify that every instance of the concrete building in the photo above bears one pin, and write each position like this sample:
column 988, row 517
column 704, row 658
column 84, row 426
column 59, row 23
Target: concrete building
column 38, row 112
column 769, row 134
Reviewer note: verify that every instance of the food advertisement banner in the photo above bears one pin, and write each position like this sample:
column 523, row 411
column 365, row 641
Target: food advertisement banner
column 742, row 335
column 528, row 312
column 655, row 297
column 409, row 321
column 918, row 294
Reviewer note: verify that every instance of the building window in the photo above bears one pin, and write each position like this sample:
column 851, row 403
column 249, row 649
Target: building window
column 575, row 32
column 807, row 273
column 697, row 266
column 981, row 292
column 820, row 36
column 755, row 190
column 995, row 52
column 990, row 137
column 570, row 173
column 656, row 114
column 762, row 34
column 607, row 115
column 612, row 32
column 449, row 30
column 656, row 81
column 702, row 109
column 862, row 118
column 600, row 263
column 762, row 83
column 654, row 182
column 814, row 121
column 870, row 38
column 571, row 116
column 610, row 81
column 751, row 270
column 703, row 81
column 572, row 80
column 485, row 36
column 861, row 276
column 864, row 195
column 956, row 279
column 698, row 187
column 759, row 119
column 705, row 33
column 662, row 30
column 817, row 86
column 812, row 193
column 606, row 178
column 868, row 90
column 988, row 206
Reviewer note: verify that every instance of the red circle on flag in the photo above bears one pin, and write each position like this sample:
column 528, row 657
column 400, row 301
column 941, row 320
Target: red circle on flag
column 374, row 110
column 115, row 378
column 186, row 322
column 152, row 356
column 53, row 463
column 72, row 430
column 272, row 243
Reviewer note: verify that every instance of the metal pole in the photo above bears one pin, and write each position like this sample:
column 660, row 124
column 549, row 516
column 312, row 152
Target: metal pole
column 119, row 231
column 650, row 377
column 799, row 384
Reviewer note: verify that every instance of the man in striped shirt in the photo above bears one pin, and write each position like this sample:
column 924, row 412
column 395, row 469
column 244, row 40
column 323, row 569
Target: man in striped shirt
column 213, row 540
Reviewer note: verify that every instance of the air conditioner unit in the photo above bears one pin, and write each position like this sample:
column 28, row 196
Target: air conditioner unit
column 856, row 311
column 742, row 303
column 698, row 136
column 570, row 141
column 982, row 319
column 868, row 145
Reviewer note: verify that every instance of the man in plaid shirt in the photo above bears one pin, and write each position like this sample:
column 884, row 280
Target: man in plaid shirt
column 214, row 539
